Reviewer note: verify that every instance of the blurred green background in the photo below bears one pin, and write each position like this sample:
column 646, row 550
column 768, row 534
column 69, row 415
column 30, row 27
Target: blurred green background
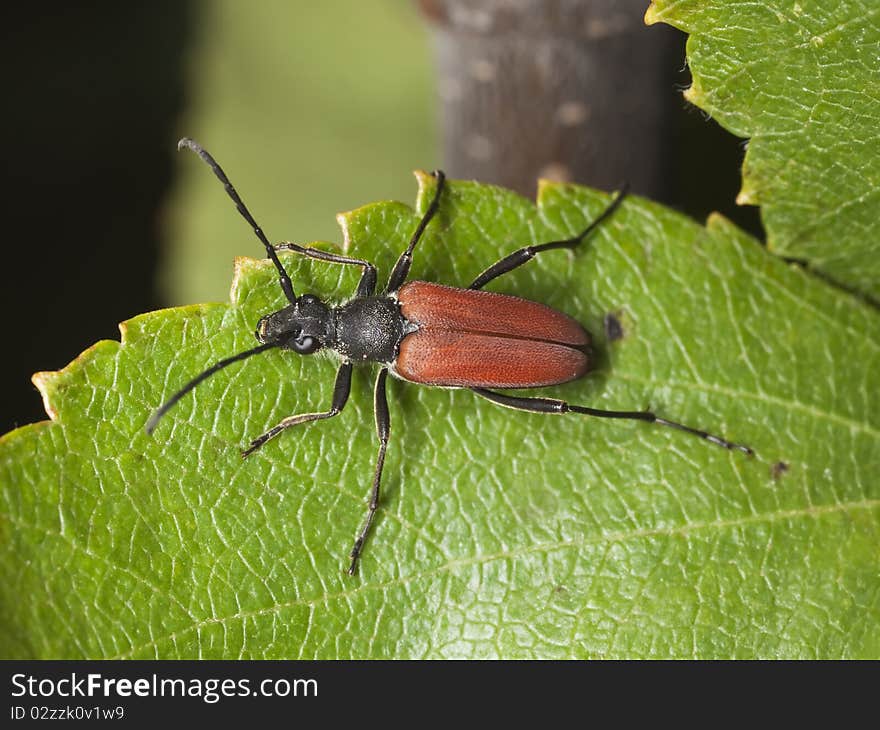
column 309, row 113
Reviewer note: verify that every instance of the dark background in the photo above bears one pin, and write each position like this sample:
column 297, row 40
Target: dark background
column 93, row 94
column 96, row 95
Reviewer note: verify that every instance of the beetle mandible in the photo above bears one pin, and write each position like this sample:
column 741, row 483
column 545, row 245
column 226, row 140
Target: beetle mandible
column 428, row 334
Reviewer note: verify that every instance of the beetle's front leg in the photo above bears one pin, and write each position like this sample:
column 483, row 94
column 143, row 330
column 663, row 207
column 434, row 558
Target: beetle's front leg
column 366, row 285
column 341, row 389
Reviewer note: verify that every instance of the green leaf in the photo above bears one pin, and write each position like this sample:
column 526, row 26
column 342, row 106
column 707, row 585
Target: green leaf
column 499, row 533
column 801, row 80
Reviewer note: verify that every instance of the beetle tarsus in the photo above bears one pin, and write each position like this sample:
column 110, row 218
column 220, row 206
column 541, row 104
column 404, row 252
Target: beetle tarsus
column 255, row 444
column 718, row 440
column 354, row 555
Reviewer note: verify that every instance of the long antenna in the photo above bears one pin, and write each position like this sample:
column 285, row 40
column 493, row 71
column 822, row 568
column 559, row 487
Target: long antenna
column 169, row 404
column 284, row 279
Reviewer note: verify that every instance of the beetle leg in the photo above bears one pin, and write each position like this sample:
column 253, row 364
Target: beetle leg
column 527, row 253
column 552, row 405
column 383, row 431
column 401, row 268
column 341, row 389
column 367, row 284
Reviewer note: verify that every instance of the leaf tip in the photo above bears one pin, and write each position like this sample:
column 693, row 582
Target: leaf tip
column 747, row 195
column 45, row 381
column 427, row 182
column 694, row 94
column 653, row 14
column 545, row 189
column 123, row 331
column 344, row 221
column 423, row 177
column 716, row 221
column 52, row 383
column 242, row 268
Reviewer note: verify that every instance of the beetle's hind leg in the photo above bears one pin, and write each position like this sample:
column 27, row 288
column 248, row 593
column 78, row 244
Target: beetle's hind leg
column 552, row 405
column 527, row 253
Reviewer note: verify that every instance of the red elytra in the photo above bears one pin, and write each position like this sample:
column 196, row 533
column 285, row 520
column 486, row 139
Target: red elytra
column 477, row 339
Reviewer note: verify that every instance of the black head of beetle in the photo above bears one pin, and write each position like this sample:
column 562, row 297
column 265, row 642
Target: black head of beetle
column 304, row 326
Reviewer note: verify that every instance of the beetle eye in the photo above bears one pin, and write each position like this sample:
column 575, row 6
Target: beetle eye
column 306, row 345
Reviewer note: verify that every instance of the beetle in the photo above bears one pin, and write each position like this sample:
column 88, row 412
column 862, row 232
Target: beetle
column 425, row 333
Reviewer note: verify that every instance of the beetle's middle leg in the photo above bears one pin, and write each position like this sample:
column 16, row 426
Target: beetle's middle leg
column 383, row 431
column 527, row 253
column 401, row 268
